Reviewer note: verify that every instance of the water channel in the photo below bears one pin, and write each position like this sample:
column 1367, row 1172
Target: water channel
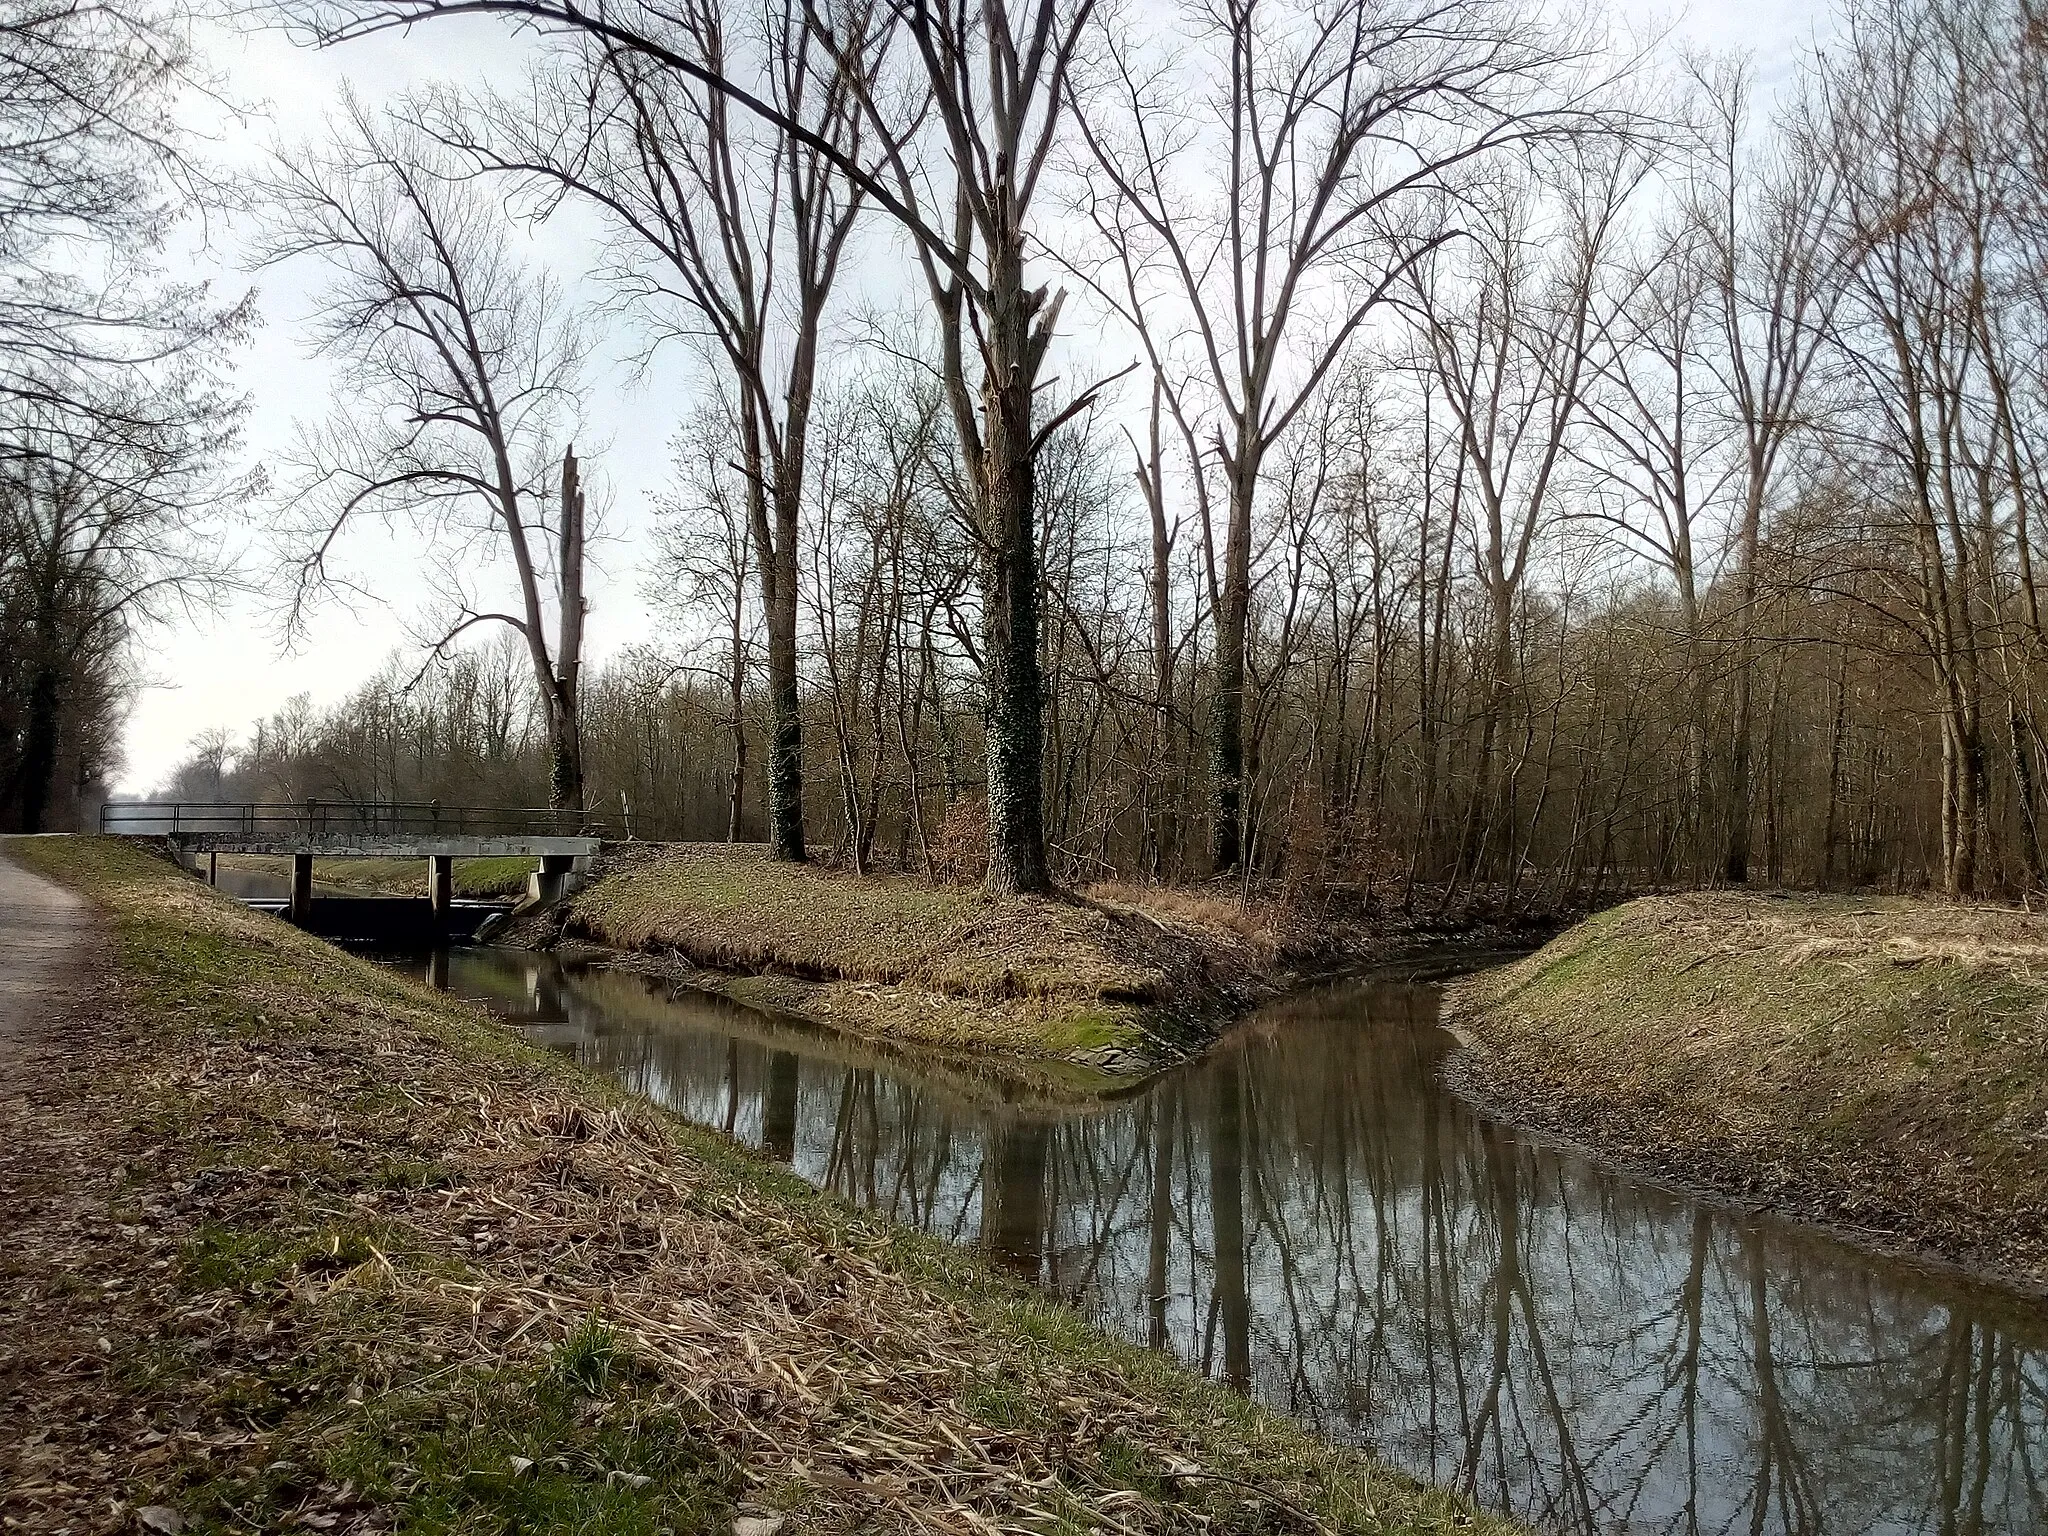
column 1307, row 1214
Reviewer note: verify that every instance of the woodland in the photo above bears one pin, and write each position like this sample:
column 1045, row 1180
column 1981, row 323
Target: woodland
column 1317, row 443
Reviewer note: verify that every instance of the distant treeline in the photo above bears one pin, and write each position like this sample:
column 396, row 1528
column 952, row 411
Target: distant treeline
column 1447, row 449
column 1369, row 717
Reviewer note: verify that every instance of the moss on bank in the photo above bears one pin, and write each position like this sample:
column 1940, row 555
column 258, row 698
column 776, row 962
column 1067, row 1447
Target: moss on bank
column 1877, row 1063
column 299, row 1243
column 1114, row 978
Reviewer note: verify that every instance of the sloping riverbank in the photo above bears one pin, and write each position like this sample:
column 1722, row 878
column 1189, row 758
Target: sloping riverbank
column 1873, row 1064
column 294, row 1241
column 1113, row 981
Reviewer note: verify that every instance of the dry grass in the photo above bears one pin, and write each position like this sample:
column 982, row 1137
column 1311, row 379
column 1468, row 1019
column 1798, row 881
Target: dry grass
column 1109, row 975
column 734, row 907
column 1263, row 933
column 1874, row 1062
column 297, row 1243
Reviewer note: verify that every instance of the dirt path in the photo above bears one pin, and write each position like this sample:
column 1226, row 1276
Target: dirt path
column 44, row 931
column 64, row 1264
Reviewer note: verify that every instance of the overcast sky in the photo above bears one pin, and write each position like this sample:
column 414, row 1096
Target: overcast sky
column 233, row 669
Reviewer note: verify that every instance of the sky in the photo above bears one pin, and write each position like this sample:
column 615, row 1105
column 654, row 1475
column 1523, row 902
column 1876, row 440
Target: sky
column 232, row 667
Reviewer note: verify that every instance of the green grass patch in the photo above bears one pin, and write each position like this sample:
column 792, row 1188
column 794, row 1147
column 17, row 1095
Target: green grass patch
column 474, row 1450
column 737, row 908
column 226, row 1258
column 584, row 1361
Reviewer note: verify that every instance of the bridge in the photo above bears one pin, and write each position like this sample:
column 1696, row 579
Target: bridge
column 310, row 829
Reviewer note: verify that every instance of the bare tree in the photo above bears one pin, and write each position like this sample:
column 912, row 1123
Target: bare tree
column 1507, row 339
column 1657, row 448
column 1342, row 128
column 114, row 420
column 705, row 558
column 1804, row 402
column 749, row 223
column 95, row 170
column 458, row 371
column 1158, row 788
column 989, row 87
column 1768, row 219
column 112, row 514
column 998, row 92
column 1921, row 224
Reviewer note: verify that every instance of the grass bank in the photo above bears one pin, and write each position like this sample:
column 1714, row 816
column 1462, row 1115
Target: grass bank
column 1875, row 1064
column 1112, row 980
column 395, row 877
column 296, row 1243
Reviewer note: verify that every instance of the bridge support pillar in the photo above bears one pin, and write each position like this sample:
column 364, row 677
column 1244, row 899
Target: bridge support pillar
column 302, row 889
column 441, row 882
column 213, row 869
column 555, row 869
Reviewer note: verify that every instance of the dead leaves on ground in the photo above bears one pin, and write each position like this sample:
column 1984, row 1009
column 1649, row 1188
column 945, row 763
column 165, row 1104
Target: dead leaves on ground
column 458, row 1217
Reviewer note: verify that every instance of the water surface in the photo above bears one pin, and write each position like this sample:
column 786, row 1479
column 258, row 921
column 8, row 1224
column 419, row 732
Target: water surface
column 1306, row 1214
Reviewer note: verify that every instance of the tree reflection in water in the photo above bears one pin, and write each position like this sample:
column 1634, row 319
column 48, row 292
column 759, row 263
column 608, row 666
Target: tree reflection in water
column 1307, row 1215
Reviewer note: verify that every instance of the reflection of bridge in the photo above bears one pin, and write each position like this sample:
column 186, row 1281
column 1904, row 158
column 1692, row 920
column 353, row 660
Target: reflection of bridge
column 311, row 829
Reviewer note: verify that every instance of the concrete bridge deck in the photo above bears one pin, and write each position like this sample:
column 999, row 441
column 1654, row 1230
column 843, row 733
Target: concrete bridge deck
column 381, row 845
column 331, row 829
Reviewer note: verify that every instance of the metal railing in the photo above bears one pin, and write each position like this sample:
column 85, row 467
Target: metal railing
column 340, row 818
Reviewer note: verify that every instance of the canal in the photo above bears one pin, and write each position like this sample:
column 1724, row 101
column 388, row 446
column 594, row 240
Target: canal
column 1308, row 1215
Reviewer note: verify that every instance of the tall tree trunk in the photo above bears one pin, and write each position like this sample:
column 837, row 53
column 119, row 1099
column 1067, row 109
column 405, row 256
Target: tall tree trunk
column 39, row 746
column 565, row 724
column 1969, row 803
column 1014, row 705
column 772, row 496
column 1698, row 858
column 1226, row 717
column 2019, row 730
column 778, row 566
column 786, row 838
column 1735, row 866
column 1479, row 821
column 1158, row 792
column 736, row 699
column 1830, row 827
column 1163, row 818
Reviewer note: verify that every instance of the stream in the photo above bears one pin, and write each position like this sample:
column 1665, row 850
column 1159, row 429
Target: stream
column 1307, row 1214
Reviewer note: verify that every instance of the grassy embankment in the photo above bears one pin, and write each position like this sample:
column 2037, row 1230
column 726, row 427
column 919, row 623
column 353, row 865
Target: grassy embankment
column 395, row 877
column 1878, row 1064
column 298, row 1243
column 1113, row 979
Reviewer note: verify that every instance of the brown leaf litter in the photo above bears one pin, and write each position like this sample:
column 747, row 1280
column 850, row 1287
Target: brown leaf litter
column 257, row 1194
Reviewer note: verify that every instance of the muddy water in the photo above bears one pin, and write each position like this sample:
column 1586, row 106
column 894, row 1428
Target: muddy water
column 1306, row 1214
